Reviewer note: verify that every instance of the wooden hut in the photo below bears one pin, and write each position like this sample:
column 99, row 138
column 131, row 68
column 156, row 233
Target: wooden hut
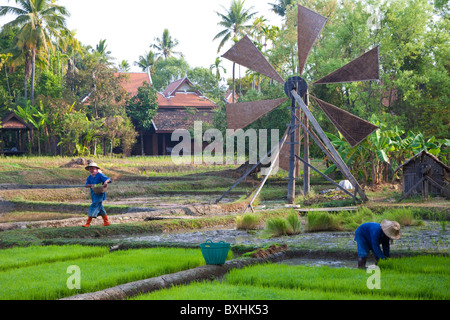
column 13, row 134
column 425, row 174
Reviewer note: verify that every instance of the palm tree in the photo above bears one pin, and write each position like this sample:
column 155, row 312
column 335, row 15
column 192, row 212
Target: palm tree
column 217, row 66
column 146, row 61
column 40, row 21
column 165, row 45
column 124, row 66
column 102, row 52
column 234, row 20
column 280, row 7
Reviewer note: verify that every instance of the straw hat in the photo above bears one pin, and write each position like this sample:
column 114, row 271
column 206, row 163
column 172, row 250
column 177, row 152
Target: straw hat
column 391, row 229
column 92, row 164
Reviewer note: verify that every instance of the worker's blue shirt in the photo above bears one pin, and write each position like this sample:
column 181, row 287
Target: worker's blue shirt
column 369, row 236
column 99, row 178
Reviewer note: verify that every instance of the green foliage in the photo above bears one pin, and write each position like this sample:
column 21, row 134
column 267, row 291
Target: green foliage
column 142, row 108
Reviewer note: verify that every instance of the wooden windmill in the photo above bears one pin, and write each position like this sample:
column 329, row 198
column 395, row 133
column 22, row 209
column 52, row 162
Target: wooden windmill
column 354, row 129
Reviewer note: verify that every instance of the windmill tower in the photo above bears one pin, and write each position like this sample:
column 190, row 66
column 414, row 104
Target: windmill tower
column 354, row 129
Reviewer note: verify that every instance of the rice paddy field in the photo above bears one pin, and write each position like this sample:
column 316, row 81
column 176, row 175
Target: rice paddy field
column 404, row 279
column 161, row 213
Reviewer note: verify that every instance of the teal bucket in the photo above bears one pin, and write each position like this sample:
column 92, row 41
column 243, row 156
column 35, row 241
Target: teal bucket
column 215, row 253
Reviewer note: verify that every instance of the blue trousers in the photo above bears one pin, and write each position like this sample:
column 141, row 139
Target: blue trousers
column 96, row 209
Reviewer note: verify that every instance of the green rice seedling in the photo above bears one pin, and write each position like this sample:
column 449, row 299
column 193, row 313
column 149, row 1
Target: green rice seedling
column 343, row 280
column 49, row 280
column 293, row 223
column 34, row 255
column 276, row 226
column 322, row 221
column 420, row 264
column 248, row 221
column 404, row 216
column 224, row 291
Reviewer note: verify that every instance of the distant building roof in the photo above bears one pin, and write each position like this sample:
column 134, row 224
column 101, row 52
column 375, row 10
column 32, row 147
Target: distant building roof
column 423, row 152
column 133, row 80
column 11, row 121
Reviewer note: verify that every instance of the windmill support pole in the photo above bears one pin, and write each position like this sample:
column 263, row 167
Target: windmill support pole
column 306, row 172
column 330, row 147
column 329, row 179
column 279, row 146
column 272, row 165
column 291, row 176
column 320, row 144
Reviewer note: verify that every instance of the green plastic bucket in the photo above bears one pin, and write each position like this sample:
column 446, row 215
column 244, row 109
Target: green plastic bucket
column 215, row 253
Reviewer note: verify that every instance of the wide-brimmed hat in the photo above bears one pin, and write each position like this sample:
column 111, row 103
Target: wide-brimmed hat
column 391, row 229
column 92, row 164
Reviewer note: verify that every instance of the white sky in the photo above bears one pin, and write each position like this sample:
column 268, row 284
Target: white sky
column 129, row 27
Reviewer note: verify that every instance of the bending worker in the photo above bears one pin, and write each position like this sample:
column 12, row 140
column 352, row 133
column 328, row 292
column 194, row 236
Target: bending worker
column 370, row 235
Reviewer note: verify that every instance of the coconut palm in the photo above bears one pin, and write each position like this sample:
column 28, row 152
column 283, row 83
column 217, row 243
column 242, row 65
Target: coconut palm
column 234, row 21
column 280, row 7
column 146, row 61
column 102, row 52
column 124, row 66
column 40, row 22
column 217, row 67
column 165, row 45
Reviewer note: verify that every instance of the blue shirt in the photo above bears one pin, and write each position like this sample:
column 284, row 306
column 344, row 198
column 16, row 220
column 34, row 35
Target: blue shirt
column 371, row 236
column 99, row 178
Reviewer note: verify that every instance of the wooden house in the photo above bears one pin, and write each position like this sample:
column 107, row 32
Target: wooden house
column 179, row 106
column 13, row 134
column 425, row 174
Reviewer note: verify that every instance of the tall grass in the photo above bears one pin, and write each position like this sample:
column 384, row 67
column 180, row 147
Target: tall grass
column 322, row 221
column 248, row 221
column 49, row 280
column 276, row 227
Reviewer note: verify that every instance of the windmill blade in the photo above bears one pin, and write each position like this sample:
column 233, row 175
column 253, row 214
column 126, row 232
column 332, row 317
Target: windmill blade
column 353, row 128
column 240, row 115
column 364, row 68
column 246, row 54
column 309, row 25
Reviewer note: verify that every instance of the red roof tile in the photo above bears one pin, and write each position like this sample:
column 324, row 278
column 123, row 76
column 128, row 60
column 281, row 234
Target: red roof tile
column 134, row 80
column 185, row 100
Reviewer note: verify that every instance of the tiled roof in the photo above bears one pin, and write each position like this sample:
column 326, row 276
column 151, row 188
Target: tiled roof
column 168, row 120
column 185, row 100
column 134, row 80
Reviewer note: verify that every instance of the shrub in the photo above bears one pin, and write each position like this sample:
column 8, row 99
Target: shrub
column 248, row 221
